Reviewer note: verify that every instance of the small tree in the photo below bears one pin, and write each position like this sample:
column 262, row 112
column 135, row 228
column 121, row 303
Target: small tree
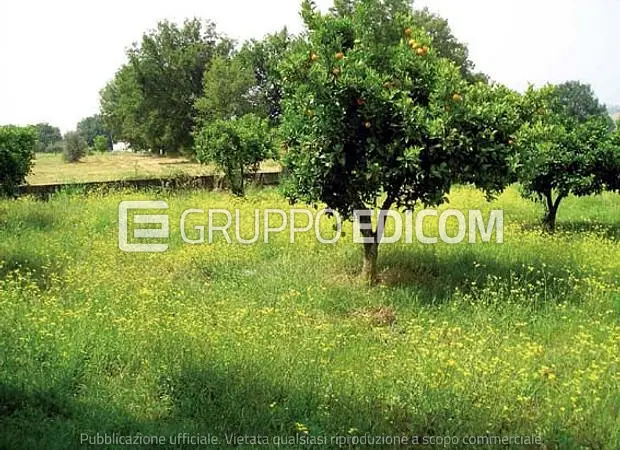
column 566, row 147
column 92, row 127
column 235, row 146
column 374, row 116
column 17, row 146
column 75, row 147
column 48, row 136
column 101, row 144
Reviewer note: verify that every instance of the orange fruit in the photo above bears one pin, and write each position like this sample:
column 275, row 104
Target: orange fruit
column 457, row 97
column 314, row 57
column 407, row 32
column 339, row 56
column 367, row 124
column 336, row 71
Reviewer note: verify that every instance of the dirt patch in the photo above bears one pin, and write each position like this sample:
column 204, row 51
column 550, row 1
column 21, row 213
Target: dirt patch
column 378, row 316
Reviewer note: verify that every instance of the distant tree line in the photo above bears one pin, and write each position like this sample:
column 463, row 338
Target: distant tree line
column 90, row 133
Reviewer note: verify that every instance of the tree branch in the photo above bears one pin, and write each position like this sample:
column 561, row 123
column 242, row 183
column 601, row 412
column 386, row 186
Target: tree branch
column 556, row 204
column 387, row 204
column 549, row 198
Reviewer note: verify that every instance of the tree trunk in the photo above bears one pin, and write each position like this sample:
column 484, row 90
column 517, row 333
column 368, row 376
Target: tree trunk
column 549, row 220
column 235, row 179
column 551, row 212
column 369, row 270
column 371, row 249
column 241, row 181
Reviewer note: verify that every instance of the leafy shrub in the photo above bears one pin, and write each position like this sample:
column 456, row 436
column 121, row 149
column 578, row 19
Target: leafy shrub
column 75, row 147
column 100, row 144
column 17, row 146
column 236, row 147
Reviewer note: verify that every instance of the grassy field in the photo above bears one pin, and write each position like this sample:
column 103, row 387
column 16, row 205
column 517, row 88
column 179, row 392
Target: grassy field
column 280, row 340
column 51, row 168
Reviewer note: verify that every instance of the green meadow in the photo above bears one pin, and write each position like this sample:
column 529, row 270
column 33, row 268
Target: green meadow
column 281, row 340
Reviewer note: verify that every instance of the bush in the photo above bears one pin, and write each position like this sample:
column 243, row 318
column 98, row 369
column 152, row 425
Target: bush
column 101, row 144
column 75, row 147
column 17, row 147
column 236, row 147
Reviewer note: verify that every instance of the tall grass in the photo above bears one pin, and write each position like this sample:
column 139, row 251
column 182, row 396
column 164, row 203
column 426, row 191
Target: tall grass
column 280, row 340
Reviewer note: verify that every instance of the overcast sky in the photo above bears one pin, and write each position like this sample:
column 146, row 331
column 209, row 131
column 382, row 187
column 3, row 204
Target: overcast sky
column 55, row 56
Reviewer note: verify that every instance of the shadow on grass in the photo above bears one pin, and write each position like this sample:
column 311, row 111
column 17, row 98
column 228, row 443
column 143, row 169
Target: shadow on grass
column 31, row 219
column 435, row 279
column 240, row 401
column 177, row 163
column 51, row 418
column 221, row 403
column 29, row 266
column 244, row 402
column 46, row 403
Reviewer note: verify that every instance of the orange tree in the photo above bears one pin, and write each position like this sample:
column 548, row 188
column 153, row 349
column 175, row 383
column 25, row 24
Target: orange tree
column 566, row 147
column 373, row 116
column 236, row 146
column 17, row 146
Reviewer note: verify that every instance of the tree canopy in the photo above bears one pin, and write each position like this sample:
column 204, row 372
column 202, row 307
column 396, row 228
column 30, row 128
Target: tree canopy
column 228, row 90
column 120, row 109
column 236, row 146
column 566, row 146
column 150, row 102
column 265, row 56
column 574, row 100
column 373, row 115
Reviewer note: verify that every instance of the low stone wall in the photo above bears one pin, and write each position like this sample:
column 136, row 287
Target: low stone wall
column 206, row 182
